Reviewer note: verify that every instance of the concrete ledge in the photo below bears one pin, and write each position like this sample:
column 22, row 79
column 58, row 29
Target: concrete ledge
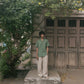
column 33, row 78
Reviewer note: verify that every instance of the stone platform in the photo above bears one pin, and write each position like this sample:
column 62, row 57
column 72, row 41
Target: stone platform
column 33, row 78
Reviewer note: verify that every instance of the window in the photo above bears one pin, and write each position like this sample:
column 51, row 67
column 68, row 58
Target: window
column 49, row 22
column 81, row 23
column 72, row 23
column 61, row 23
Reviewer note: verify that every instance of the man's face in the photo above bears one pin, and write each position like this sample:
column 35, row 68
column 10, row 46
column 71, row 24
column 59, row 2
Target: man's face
column 42, row 35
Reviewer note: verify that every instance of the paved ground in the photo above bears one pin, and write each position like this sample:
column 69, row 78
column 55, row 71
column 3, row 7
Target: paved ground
column 73, row 76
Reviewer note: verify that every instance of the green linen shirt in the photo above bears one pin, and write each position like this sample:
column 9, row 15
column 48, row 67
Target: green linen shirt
column 42, row 47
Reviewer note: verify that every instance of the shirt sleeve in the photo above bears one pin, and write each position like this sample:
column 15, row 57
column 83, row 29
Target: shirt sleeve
column 48, row 43
column 36, row 44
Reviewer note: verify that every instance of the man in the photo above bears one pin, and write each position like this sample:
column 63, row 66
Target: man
column 42, row 55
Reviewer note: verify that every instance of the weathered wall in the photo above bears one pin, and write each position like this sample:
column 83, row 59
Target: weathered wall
column 39, row 25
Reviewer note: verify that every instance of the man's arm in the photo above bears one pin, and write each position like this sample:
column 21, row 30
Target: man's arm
column 47, row 50
column 47, row 46
column 36, row 49
column 37, row 53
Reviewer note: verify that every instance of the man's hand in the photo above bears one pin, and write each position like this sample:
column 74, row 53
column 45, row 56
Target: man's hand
column 37, row 57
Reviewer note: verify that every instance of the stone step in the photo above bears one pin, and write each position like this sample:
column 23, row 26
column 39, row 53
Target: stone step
column 33, row 78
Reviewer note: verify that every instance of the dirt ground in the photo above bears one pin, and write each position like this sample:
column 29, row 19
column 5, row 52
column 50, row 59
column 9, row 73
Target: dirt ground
column 73, row 76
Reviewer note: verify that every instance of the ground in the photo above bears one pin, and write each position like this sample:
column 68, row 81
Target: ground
column 73, row 76
column 33, row 78
column 13, row 81
column 18, row 80
column 21, row 74
column 70, row 76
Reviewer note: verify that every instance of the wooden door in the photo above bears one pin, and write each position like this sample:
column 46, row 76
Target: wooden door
column 66, row 37
column 81, row 42
column 49, row 30
column 66, row 42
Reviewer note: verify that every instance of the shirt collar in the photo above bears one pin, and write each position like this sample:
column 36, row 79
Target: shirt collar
column 43, row 39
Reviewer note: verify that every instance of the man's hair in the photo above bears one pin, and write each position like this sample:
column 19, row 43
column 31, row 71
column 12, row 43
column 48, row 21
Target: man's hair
column 41, row 32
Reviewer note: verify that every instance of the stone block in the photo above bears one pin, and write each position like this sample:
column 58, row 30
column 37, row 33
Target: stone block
column 33, row 78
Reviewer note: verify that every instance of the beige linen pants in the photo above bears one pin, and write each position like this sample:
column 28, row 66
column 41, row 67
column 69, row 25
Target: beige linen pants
column 42, row 66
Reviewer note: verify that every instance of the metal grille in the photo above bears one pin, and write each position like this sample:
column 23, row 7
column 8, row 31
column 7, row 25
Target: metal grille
column 61, row 23
column 72, row 23
column 81, row 23
column 49, row 22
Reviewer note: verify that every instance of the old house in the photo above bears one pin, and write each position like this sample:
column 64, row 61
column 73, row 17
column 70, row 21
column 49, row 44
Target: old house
column 66, row 38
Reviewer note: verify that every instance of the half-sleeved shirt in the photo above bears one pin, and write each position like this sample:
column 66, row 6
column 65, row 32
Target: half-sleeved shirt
column 42, row 47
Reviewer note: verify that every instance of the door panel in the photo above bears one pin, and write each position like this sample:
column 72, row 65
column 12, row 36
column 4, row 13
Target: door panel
column 72, row 58
column 81, row 58
column 61, row 41
column 72, row 42
column 60, row 59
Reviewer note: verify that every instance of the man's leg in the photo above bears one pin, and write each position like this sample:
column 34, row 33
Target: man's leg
column 39, row 67
column 45, row 65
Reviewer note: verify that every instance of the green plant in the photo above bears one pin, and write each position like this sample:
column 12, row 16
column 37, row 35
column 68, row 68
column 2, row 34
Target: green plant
column 6, row 67
column 28, row 64
column 16, row 22
column 27, row 55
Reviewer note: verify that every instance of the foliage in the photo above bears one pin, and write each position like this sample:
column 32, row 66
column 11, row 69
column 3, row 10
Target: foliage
column 65, row 7
column 28, row 64
column 27, row 55
column 5, row 66
column 16, row 22
column 17, row 25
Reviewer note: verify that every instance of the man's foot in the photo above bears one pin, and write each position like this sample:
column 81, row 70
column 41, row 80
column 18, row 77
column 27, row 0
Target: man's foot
column 40, row 76
column 45, row 77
